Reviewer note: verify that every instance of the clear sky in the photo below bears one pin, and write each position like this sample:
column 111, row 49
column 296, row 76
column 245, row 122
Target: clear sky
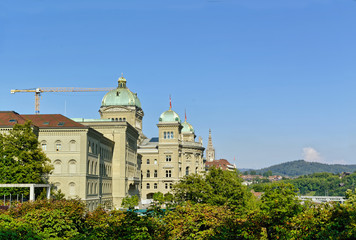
column 275, row 80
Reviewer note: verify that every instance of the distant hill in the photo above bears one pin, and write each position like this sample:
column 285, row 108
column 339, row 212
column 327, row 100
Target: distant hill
column 301, row 167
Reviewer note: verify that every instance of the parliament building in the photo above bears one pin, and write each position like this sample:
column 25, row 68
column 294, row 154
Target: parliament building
column 104, row 160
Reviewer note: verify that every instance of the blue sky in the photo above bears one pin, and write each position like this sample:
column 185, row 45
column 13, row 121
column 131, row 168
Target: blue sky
column 274, row 80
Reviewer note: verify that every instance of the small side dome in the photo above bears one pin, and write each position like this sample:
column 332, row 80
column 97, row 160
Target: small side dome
column 187, row 128
column 169, row 116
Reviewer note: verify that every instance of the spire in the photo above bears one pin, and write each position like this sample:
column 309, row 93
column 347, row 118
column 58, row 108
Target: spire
column 210, row 151
column 185, row 114
column 170, row 102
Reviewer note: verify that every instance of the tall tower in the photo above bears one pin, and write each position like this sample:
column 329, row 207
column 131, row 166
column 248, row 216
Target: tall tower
column 210, row 151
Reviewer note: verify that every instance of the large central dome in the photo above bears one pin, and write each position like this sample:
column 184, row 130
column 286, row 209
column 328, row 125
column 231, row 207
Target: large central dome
column 121, row 96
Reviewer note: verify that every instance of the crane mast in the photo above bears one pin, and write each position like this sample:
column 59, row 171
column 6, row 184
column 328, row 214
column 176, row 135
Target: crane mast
column 38, row 92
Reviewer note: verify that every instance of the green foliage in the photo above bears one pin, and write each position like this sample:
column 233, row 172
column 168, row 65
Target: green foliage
column 267, row 174
column 12, row 229
column 51, row 219
column 278, row 204
column 202, row 221
column 301, row 167
column 21, row 159
column 101, row 224
column 318, row 184
column 217, row 187
column 130, row 202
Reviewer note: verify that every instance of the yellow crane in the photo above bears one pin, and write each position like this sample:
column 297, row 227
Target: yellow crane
column 38, row 92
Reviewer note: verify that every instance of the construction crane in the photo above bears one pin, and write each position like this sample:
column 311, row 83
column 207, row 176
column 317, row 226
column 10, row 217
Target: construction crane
column 38, row 92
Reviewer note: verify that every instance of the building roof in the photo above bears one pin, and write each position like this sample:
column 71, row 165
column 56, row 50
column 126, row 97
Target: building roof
column 52, row 121
column 10, row 118
column 187, row 128
column 169, row 116
column 221, row 163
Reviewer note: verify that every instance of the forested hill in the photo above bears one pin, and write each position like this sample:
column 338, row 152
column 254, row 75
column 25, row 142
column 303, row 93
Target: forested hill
column 301, row 167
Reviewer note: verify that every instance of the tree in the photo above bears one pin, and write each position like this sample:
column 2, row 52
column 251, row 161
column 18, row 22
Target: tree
column 130, row 202
column 217, row 187
column 21, row 159
column 279, row 203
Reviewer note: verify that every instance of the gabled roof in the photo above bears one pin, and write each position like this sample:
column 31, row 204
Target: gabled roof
column 10, row 118
column 52, row 121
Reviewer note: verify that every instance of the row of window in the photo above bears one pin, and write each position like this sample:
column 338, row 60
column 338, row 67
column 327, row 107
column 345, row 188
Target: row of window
column 93, row 188
column 71, row 188
column 118, row 119
column 168, row 172
column 155, row 185
column 148, row 161
column 58, row 145
column 168, row 135
column 96, row 149
column 148, row 173
column 58, row 168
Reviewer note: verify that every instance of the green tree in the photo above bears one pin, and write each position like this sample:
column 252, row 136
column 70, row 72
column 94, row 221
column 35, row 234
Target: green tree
column 267, row 174
column 130, row 202
column 21, row 159
column 217, row 187
column 278, row 204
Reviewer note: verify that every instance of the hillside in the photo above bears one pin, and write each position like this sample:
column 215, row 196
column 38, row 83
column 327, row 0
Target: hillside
column 301, row 167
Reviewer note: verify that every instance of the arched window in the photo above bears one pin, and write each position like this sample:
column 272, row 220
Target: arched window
column 72, row 189
column 72, row 166
column 155, row 173
column 155, row 185
column 147, row 186
column 58, row 145
column 168, row 173
column 148, row 161
column 72, row 146
column 88, row 167
column 187, row 171
column 196, row 170
column 92, row 168
column 44, row 145
column 57, row 186
column 57, row 167
column 148, row 173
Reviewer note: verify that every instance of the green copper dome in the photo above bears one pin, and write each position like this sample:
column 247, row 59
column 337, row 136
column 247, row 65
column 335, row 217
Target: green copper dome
column 121, row 96
column 187, row 128
column 169, row 116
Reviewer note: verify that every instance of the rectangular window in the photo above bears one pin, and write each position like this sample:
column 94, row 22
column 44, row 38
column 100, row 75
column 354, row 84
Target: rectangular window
column 148, row 161
column 171, row 135
column 148, row 186
column 166, row 185
column 155, row 186
column 168, row 173
column 168, row 158
column 155, row 173
column 164, row 135
column 155, row 161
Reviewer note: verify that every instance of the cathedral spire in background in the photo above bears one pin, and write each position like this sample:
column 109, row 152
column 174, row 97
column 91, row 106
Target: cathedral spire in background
column 210, row 151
